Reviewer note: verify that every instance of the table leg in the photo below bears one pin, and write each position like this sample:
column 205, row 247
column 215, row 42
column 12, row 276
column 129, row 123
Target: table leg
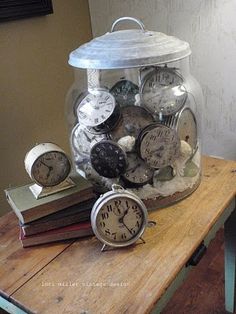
column 230, row 262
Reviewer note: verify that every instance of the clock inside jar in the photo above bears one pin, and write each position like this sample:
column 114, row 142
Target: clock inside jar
column 163, row 91
column 133, row 120
column 124, row 92
column 158, row 145
column 98, row 111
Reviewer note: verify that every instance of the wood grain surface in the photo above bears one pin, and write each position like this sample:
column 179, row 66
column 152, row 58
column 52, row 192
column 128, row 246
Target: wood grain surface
column 18, row 265
column 130, row 280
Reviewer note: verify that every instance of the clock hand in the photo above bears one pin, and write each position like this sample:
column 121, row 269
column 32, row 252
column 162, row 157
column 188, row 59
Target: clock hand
column 121, row 220
column 134, row 168
column 49, row 167
column 157, row 150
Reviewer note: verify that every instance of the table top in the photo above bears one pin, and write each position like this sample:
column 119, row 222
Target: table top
column 76, row 277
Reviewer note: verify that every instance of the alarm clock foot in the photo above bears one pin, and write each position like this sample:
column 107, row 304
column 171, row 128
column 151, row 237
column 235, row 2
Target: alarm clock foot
column 143, row 241
column 40, row 192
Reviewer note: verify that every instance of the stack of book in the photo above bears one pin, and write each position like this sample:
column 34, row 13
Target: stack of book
column 60, row 216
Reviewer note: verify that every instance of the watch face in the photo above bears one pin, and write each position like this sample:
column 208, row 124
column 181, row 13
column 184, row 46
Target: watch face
column 163, row 92
column 120, row 221
column 108, row 159
column 82, row 140
column 159, row 146
column 96, row 108
column 187, row 127
column 124, row 92
column 133, row 120
column 51, row 168
column 138, row 172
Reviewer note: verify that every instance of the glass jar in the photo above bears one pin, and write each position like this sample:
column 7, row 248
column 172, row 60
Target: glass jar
column 133, row 115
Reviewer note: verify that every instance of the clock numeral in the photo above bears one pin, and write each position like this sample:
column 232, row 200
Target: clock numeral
column 117, row 203
column 114, row 235
column 127, row 204
column 105, row 216
column 107, row 231
column 132, row 230
column 123, row 236
column 109, row 208
column 102, row 224
column 96, row 120
column 137, row 224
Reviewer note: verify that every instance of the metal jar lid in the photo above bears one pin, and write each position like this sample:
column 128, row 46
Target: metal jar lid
column 129, row 48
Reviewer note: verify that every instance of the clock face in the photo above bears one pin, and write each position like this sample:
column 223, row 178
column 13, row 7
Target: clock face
column 163, row 92
column 159, row 146
column 82, row 140
column 96, row 108
column 51, row 168
column 187, row 127
column 133, row 120
column 138, row 172
column 108, row 159
column 124, row 92
column 119, row 221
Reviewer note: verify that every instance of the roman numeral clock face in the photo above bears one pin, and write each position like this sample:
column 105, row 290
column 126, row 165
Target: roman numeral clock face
column 96, row 108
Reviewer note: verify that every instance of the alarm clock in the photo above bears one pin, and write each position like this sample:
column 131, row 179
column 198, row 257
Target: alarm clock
column 159, row 145
column 98, row 111
column 49, row 167
column 162, row 91
column 118, row 218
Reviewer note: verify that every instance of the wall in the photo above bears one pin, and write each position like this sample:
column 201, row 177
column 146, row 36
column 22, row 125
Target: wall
column 210, row 28
column 34, row 79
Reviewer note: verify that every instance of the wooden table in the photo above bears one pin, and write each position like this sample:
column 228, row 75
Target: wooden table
column 75, row 277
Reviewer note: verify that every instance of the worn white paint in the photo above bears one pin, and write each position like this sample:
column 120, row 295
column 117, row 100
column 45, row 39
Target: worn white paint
column 210, row 28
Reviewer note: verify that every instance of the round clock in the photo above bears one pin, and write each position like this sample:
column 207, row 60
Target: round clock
column 82, row 140
column 187, row 127
column 138, row 172
column 162, row 91
column 47, row 164
column 118, row 217
column 124, row 92
column 133, row 120
column 98, row 111
column 159, row 145
column 108, row 159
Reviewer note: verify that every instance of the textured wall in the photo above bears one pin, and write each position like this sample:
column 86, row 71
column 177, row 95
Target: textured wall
column 210, row 28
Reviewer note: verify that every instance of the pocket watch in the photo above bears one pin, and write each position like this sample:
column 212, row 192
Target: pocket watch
column 49, row 166
column 98, row 111
column 108, row 159
column 162, row 91
column 118, row 218
column 133, row 120
column 82, row 140
column 158, row 145
column 138, row 173
column 187, row 127
column 124, row 92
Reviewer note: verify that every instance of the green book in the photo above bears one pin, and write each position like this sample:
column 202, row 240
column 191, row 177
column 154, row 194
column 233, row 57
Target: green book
column 28, row 208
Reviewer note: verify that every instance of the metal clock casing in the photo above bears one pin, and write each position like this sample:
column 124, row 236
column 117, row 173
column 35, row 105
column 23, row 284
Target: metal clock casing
column 162, row 91
column 118, row 218
column 158, row 145
column 47, row 164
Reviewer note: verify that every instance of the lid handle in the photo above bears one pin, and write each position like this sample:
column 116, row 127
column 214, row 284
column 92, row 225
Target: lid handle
column 127, row 18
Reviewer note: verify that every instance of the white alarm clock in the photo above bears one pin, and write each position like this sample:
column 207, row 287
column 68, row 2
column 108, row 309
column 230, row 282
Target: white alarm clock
column 49, row 167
